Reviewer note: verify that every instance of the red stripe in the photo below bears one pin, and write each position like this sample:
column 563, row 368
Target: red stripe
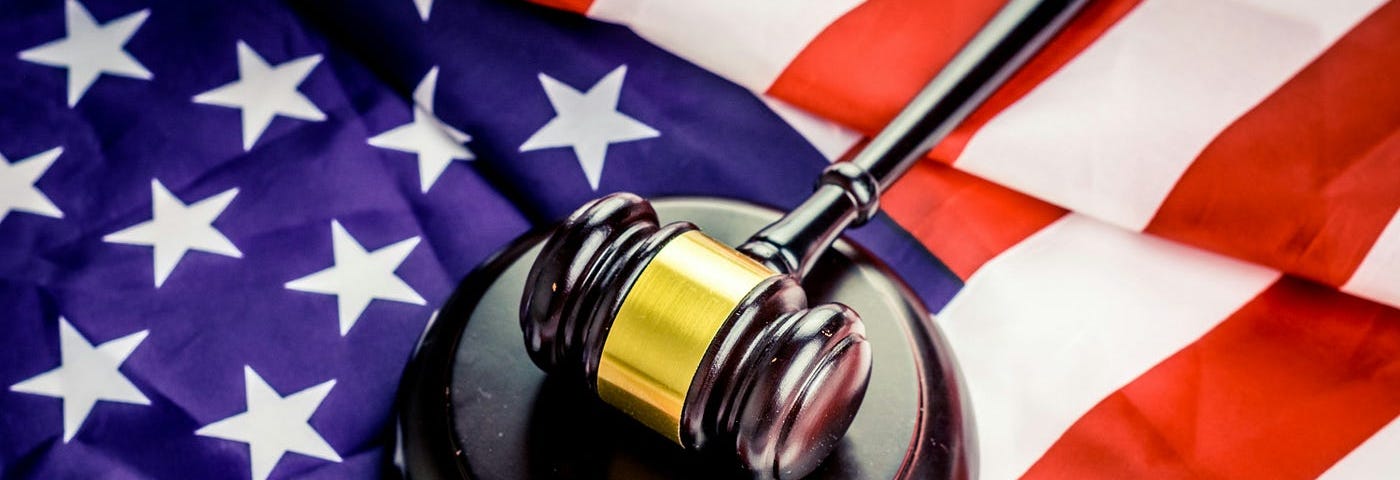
column 1086, row 27
column 577, row 6
column 1284, row 388
column 1305, row 181
column 864, row 66
column 964, row 220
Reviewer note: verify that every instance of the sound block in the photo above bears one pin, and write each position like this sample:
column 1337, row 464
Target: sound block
column 472, row 405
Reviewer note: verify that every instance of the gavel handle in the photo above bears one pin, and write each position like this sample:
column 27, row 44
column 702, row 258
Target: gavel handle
column 849, row 192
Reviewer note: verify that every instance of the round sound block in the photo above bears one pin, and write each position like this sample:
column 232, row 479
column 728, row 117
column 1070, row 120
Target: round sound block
column 474, row 406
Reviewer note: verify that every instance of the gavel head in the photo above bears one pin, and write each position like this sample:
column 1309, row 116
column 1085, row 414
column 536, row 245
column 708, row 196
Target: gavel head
column 694, row 339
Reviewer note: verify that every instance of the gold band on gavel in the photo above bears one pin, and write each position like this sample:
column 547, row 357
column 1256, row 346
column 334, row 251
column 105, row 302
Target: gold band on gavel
column 667, row 322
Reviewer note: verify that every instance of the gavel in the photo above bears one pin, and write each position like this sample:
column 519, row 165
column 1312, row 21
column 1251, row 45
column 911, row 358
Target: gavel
column 716, row 348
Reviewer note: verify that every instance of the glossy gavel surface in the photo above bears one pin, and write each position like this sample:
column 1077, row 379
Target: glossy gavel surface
column 699, row 342
column 474, row 405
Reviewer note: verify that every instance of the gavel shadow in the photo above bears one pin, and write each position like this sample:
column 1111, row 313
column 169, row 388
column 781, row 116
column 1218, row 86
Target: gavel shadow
column 575, row 436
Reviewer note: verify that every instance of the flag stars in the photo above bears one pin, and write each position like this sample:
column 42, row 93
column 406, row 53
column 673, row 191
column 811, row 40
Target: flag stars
column 263, row 91
column 436, row 143
column 86, row 374
column 19, row 189
column 360, row 276
column 587, row 122
column 90, row 50
column 175, row 228
column 273, row 425
column 425, row 8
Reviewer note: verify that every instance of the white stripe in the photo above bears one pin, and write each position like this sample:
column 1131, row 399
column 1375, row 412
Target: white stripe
column 1111, row 132
column 1378, row 457
column 1055, row 324
column 1378, row 276
column 828, row 137
column 750, row 42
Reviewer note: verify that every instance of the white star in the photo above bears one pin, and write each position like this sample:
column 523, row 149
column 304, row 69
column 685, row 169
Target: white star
column 90, row 49
column 86, row 374
column 274, row 425
column 176, row 228
column 425, row 8
column 436, row 143
column 19, row 189
column 588, row 122
column 263, row 91
column 360, row 276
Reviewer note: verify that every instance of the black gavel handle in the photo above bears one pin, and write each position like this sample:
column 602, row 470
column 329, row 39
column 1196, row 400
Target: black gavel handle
column 849, row 192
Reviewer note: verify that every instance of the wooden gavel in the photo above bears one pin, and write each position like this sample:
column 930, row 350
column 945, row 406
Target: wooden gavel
column 716, row 348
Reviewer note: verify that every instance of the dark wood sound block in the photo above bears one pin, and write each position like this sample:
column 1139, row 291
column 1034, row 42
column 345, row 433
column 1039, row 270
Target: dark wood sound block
column 474, row 406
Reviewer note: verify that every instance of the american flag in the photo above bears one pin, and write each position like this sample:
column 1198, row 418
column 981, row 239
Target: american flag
column 226, row 225
column 1177, row 224
column 1171, row 242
